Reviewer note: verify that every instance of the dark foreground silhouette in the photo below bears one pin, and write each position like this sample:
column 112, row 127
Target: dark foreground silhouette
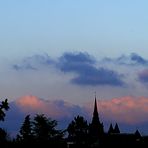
column 42, row 132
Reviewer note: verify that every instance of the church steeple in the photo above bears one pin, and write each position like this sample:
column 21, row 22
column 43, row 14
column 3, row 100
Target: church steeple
column 96, row 127
column 95, row 118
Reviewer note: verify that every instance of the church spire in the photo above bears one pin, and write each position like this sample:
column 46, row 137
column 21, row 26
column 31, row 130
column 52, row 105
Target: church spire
column 96, row 127
column 95, row 108
column 95, row 118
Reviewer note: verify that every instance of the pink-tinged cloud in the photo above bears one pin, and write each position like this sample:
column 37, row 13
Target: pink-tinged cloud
column 31, row 102
column 56, row 109
column 129, row 109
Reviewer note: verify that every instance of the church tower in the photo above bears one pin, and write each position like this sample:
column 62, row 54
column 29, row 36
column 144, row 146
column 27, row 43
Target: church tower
column 95, row 119
column 96, row 127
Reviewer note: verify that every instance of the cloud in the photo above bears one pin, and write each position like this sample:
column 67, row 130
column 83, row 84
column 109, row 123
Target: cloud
column 23, row 67
column 32, row 103
column 143, row 76
column 138, row 59
column 128, row 109
column 59, row 110
column 55, row 109
column 78, row 57
column 83, row 66
column 132, row 59
column 33, row 62
column 87, row 71
column 99, row 77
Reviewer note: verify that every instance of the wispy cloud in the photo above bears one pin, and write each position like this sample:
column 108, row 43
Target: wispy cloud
column 132, row 59
column 33, row 62
column 23, row 67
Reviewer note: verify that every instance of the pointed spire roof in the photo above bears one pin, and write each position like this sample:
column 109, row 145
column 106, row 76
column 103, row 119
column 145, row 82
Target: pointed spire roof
column 111, row 130
column 95, row 113
column 95, row 108
column 137, row 133
column 116, row 129
column 96, row 127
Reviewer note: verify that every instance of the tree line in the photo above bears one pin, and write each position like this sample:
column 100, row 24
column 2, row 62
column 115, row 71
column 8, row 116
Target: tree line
column 41, row 130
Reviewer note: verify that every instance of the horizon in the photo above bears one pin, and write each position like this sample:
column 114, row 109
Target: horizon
column 64, row 113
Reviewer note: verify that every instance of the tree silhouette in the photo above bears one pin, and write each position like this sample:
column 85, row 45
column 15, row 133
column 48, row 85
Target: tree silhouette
column 44, row 129
column 3, row 107
column 78, row 130
column 3, row 136
column 41, row 130
column 26, row 130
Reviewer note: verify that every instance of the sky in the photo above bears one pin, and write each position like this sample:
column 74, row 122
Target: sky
column 66, row 50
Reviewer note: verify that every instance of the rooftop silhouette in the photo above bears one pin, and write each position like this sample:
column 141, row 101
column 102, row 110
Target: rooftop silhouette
column 41, row 130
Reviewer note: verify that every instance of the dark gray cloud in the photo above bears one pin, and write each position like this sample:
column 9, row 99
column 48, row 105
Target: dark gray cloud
column 78, row 57
column 33, row 62
column 99, row 77
column 143, row 76
column 132, row 59
column 87, row 74
column 74, row 62
column 138, row 59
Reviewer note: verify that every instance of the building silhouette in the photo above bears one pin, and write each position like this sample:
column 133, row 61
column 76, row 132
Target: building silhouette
column 111, row 129
column 96, row 127
column 116, row 129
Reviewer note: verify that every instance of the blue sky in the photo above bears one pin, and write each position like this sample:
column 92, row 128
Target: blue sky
column 42, row 30
column 100, row 27
column 69, row 49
